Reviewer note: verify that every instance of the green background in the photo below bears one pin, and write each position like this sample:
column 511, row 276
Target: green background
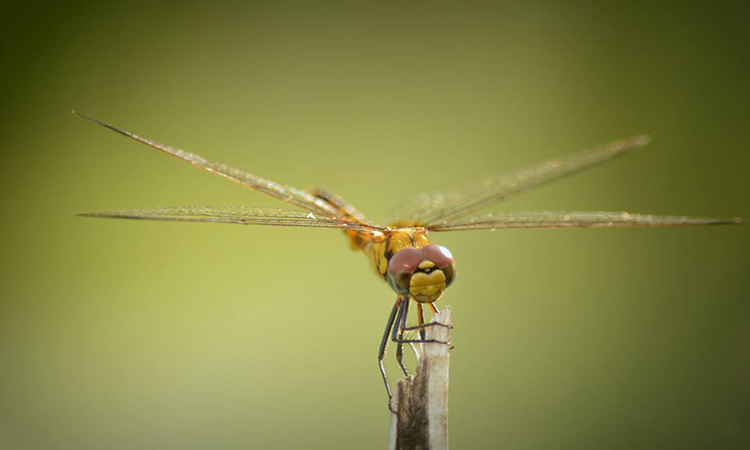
column 124, row 335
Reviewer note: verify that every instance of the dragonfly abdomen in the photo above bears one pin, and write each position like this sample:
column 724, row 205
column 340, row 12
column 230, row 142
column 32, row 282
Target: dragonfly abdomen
column 345, row 211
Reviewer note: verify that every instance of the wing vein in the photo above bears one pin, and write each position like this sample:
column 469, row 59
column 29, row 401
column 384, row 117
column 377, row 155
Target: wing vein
column 452, row 204
column 242, row 215
column 286, row 193
column 575, row 219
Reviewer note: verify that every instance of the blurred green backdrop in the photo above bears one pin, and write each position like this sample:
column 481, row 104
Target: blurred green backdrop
column 122, row 335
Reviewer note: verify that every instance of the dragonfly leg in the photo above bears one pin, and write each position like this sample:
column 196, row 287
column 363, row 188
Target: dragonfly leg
column 422, row 326
column 381, row 353
column 395, row 330
column 400, row 327
column 421, row 341
column 420, row 318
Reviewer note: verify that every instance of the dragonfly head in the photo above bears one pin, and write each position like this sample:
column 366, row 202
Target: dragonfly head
column 423, row 273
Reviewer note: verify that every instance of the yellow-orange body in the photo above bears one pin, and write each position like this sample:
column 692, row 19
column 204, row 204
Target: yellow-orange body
column 378, row 246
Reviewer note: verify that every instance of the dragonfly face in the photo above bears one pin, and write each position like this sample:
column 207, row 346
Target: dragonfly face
column 423, row 273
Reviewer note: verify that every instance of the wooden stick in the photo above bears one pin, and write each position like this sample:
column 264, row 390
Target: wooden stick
column 422, row 401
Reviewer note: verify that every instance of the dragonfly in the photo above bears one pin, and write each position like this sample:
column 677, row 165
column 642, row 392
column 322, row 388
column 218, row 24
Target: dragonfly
column 401, row 253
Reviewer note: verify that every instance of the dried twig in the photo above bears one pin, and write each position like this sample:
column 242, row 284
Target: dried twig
column 422, row 401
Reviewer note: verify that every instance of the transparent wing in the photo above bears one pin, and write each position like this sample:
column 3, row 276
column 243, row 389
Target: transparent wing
column 552, row 219
column 432, row 208
column 242, row 215
column 283, row 192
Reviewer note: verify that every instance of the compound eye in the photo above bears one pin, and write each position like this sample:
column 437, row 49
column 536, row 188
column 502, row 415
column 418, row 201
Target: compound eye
column 441, row 256
column 401, row 267
column 399, row 282
column 406, row 260
column 450, row 274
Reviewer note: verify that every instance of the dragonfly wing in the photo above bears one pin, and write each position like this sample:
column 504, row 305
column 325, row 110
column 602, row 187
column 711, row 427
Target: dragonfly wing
column 549, row 219
column 283, row 192
column 432, row 208
column 242, row 215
